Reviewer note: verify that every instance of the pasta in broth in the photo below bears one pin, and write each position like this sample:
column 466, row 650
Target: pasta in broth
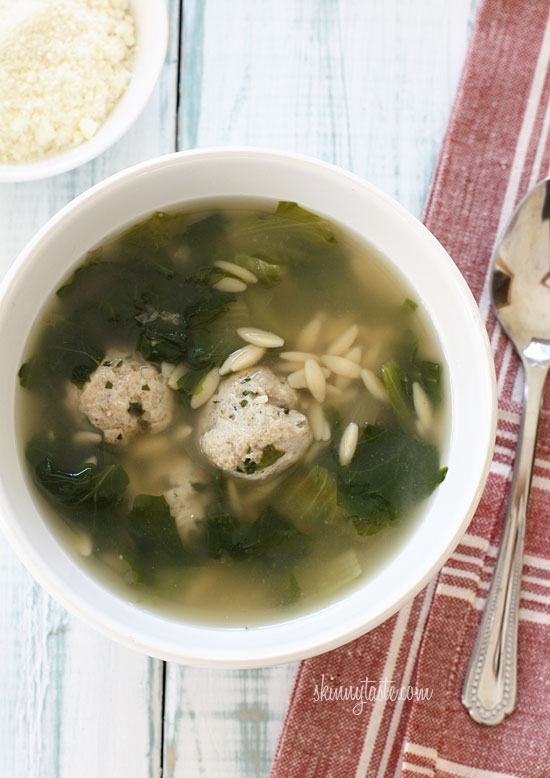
column 235, row 413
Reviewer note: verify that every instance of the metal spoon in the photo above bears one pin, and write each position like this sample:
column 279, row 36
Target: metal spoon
column 520, row 287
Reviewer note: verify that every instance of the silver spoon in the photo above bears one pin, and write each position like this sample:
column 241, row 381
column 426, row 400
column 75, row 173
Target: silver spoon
column 520, row 290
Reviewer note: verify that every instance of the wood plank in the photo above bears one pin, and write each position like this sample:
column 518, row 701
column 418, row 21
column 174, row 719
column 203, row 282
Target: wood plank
column 73, row 702
column 223, row 723
column 368, row 86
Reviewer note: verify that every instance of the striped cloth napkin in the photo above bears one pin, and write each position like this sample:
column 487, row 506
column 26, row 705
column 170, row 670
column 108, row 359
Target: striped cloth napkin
column 495, row 148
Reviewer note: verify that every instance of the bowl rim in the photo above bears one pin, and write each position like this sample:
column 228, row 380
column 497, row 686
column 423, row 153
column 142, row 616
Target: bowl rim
column 302, row 647
column 110, row 131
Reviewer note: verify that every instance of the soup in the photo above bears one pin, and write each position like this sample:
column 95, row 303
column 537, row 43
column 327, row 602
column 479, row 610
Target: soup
column 233, row 413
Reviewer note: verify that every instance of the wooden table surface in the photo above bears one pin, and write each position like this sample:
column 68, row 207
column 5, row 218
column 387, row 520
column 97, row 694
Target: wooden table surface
column 366, row 84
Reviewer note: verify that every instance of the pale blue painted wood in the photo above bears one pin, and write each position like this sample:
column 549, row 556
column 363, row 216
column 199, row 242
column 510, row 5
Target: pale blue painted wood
column 367, row 85
column 73, row 703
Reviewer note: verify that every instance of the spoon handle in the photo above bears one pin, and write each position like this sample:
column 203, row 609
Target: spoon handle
column 489, row 691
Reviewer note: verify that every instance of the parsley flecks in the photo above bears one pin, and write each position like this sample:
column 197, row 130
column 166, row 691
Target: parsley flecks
column 135, row 409
column 270, row 455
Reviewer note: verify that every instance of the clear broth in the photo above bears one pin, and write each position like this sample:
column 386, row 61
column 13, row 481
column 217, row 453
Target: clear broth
column 360, row 287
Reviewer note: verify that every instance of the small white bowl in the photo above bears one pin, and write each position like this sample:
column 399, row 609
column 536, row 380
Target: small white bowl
column 152, row 40
column 183, row 179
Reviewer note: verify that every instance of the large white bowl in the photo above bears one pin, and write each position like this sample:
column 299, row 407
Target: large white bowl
column 183, row 178
column 151, row 43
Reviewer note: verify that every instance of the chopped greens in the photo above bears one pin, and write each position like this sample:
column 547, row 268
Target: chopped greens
column 272, row 539
column 294, row 591
column 405, row 369
column 389, row 471
column 102, row 486
column 310, row 495
column 270, row 455
column 267, row 273
column 24, row 374
column 153, row 530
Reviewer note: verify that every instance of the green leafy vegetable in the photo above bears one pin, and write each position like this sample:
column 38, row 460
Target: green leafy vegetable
column 70, row 350
column 275, row 540
column 225, row 536
column 399, row 391
column 190, row 383
column 290, row 235
column 101, row 487
column 204, row 236
column 153, row 530
column 271, row 539
column 24, row 374
column 400, row 374
column 270, row 455
column 294, row 592
column 162, row 341
column 267, row 273
column 409, row 305
column 390, row 471
column 210, row 341
column 311, row 497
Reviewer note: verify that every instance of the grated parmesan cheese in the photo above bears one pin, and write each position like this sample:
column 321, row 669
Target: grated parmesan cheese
column 64, row 64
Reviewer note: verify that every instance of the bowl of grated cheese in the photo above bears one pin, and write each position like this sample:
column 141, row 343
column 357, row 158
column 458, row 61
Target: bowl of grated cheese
column 74, row 76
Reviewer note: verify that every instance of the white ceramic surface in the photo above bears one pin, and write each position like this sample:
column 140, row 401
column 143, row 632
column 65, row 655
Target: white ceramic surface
column 184, row 178
column 152, row 39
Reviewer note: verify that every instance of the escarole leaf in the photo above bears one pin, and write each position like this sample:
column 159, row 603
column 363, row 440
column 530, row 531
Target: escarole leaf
column 317, row 228
column 102, row 487
column 293, row 590
column 272, row 538
column 390, row 471
column 190, row 383
column 224, row 536
column 289, row 235
column 204, row 236
column 275, row 540
column 311, row 497
column 67, row 350
column 400, row 373
column 213, row 329
column 153, row 529
column 267, row 273
column 399, row 391
column 162, row 341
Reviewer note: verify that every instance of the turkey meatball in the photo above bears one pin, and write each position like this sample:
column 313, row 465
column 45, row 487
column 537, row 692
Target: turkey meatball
column 250, row 428
column 125, row 396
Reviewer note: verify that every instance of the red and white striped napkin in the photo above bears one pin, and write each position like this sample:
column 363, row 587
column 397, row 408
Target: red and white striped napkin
column 496, row 147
